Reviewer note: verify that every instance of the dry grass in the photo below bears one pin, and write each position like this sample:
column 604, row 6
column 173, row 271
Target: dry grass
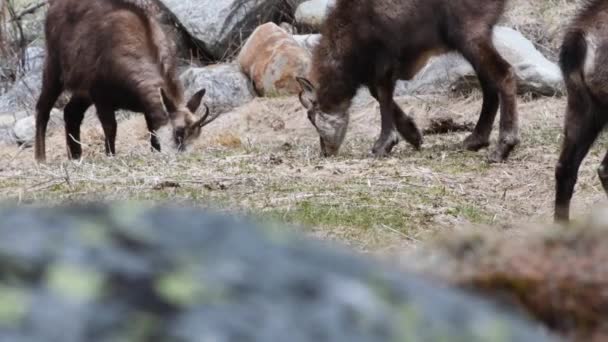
column 263, row 159
column 542, row 21
column 275, row 173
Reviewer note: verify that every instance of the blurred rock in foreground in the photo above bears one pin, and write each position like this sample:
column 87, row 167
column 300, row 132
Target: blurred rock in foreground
column 558, row 275
column 132, row 273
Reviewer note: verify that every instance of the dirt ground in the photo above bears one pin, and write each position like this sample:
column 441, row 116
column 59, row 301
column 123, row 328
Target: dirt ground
column 262, row 159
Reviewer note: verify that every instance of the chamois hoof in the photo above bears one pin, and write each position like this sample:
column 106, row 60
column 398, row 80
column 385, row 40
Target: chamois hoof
column 383, row 149
column 414, row 138
column 475, row 143
column 502, row 151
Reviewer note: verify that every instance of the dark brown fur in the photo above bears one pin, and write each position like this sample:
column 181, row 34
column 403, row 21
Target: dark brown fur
column 377, row 42
column 111, row 54
column 584, row 63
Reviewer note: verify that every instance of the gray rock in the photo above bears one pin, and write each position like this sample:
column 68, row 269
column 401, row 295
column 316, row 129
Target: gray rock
column 6, row 135
column 34, row 58
column 6, row 129
column 219, row 27
column 227, row 87
column 23, row 94
column 313, row 12
column 24, row 129
column 32, row 25
column 131, row 273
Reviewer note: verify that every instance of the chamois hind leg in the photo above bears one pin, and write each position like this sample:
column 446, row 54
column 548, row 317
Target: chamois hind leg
column 388, row 137
column 52, row 87
column 497, row 77
column 582, row 126
column 72, row 116
column 107, row 117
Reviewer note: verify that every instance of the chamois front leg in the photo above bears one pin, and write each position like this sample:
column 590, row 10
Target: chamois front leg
column 393, row 117
column 155, row 120
column 407, row 127
column 388, row 137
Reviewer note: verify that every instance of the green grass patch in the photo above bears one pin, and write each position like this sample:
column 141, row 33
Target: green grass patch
column 352, row 215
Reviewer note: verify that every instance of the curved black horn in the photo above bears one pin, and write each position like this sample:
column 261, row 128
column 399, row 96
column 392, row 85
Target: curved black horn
column 203, row 121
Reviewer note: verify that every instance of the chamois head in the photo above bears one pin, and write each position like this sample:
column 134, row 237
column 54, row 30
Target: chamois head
column 331, row 126
column 186, row 126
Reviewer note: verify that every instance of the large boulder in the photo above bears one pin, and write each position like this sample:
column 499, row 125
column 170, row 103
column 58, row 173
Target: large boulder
column 219, row 27
column 227, row 87
column 272, row 58
column 313, row 12
column 131, row 273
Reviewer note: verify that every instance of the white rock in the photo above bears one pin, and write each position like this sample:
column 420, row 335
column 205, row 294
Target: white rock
column 313, row 12
column 24, row 130
column 307, row 41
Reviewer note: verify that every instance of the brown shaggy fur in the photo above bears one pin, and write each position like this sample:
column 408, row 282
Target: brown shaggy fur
column 111, row 54
column 375, row 43
column 584, row 63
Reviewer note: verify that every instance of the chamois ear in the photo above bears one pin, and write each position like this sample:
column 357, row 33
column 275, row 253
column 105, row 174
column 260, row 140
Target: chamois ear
column 308, row 95
column 195, row 100
column 167, row 102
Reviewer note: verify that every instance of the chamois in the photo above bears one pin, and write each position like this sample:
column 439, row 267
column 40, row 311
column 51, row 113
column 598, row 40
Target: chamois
column 111, row 54
column 375, row 43
column 584, row 64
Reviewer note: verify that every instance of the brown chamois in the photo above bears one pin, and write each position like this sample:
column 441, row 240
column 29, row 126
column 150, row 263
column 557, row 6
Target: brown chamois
column 374, row 43
column 110, row 54
column 584, row 64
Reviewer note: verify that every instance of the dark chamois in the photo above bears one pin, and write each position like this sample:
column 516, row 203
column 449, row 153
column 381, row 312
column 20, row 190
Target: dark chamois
column 111, row 54
column 377, row 42
column 584, row 63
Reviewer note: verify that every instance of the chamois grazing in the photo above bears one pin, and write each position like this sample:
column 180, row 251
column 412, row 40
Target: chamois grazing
column 110, row 54
column 375, row 43
column 584, row 64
